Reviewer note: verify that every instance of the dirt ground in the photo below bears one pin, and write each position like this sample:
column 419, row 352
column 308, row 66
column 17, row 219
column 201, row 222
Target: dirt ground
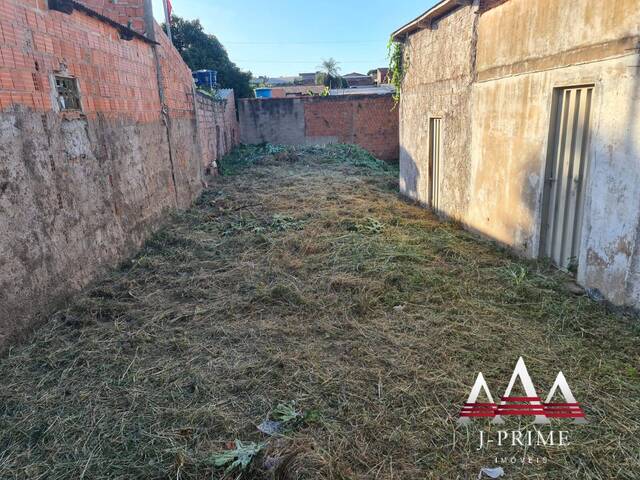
column 301, row 279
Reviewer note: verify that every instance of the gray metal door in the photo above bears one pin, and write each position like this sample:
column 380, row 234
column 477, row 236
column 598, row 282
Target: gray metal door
column 434, row 162
column 567, row 168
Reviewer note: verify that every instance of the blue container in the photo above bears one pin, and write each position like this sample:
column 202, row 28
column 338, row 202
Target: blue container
column 205, row 78
column 263, row 92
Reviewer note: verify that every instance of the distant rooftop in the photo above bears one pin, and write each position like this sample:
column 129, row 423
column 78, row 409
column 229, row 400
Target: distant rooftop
column 381, row 90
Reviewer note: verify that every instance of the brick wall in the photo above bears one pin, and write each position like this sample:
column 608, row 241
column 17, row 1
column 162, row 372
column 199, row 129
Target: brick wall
column 115, row 77
column 370, row 121
column 218, row 128
column 126, row 12
column 81, row 190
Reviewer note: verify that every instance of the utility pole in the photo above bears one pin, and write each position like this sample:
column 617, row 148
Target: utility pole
column 167, row 17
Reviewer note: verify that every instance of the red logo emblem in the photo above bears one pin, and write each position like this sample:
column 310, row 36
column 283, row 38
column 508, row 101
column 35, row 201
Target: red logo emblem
column 529, row 405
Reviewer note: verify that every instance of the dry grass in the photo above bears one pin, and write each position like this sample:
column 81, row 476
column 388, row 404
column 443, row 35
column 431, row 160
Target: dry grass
column 305, row 278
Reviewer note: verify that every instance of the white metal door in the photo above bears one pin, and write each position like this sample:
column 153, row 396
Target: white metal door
column 567, row 168
column 434, row 162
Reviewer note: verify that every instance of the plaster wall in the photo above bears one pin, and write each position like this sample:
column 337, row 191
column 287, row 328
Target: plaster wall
column 497, row 118
column 556, row 44
column 438, row 80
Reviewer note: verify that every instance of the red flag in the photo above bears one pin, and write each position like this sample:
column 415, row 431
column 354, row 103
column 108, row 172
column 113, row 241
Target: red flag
column 169, row 9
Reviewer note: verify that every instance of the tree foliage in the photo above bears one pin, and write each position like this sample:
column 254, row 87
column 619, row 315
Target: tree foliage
column 397, row 66
column 203, row 51
column 329, row 74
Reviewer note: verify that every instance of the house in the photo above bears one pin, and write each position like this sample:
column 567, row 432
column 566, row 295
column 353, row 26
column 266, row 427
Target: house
column 380, row 75
column 307, row 79
column 530, row 136
column 280, row 81
column 358, row 80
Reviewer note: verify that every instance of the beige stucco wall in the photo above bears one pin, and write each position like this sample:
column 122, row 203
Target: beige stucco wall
column 526, row 49
column 438, row 83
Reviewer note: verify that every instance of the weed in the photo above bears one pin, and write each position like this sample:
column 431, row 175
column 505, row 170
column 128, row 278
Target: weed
column 239, row 458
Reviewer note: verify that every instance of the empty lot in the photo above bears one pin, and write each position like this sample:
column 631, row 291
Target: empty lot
column 301, row 276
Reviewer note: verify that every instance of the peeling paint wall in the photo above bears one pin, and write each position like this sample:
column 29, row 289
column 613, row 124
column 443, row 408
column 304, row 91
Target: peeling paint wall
column 525, row 50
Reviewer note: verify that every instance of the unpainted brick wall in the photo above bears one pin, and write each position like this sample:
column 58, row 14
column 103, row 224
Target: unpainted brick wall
column 218, row 129
column 79, row 191
column 370, row 121
column 125, row 12
column 116, row 77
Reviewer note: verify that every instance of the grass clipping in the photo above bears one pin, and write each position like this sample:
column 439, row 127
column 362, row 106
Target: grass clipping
column 301, row 276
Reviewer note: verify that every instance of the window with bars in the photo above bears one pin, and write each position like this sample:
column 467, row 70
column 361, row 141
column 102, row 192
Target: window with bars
column 68, row 94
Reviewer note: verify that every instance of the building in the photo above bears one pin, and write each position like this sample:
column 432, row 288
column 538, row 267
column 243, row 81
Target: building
column 521, row 119
column 307, row 79
column 358, row 80
column 380, row 75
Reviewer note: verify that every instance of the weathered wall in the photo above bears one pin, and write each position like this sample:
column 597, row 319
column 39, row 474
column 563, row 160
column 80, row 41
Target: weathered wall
column 218, row 128
column 81, row 190
column 525, row 50
column 438, row 81
column 565, row 43
column 277, row 121
column 370, row 121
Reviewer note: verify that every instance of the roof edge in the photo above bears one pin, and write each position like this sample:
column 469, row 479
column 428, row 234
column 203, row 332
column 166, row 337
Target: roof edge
column 426, row 19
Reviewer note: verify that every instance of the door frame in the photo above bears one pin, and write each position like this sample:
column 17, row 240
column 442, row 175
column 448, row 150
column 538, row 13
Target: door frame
column 549, row 163
column 430, row 159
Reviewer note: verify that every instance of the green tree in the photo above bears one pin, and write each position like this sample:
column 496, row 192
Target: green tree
column 202, row 51
column 329, row 74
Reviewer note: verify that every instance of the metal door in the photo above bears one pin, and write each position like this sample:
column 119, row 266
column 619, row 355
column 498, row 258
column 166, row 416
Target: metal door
column 434, row 162
column 567, row 168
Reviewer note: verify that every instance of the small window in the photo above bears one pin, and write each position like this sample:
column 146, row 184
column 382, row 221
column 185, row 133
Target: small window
column 68, row 94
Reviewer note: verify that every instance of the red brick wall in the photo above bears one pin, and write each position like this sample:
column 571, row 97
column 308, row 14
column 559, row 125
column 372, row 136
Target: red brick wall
column 218, row 129
column 371, row 121
column 177, row 82
column 84, row 189
column 368, row 121
column 115, row 77
column 125, row 12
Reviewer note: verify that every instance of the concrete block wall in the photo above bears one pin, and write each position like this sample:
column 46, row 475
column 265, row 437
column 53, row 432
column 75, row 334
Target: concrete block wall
column 370, row 121
column 79, row 191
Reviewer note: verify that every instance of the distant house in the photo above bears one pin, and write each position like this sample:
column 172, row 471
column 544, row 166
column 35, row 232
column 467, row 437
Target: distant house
column 380, row 75
column 358, row 80
column 307, row 78
column 279, row 81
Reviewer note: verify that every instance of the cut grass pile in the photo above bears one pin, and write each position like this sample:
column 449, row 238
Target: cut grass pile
column 300, row 276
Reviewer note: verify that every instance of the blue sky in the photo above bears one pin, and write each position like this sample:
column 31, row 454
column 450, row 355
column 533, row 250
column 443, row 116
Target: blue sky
column 286, row 37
